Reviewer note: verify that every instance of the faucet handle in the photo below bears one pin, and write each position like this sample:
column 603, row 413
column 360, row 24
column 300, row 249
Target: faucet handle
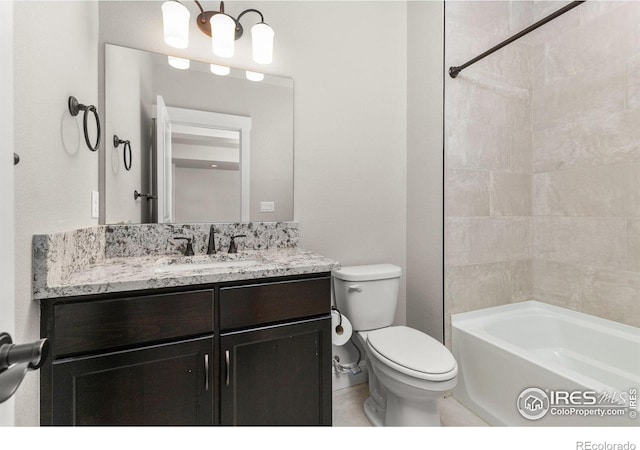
column 189, row 250
column 211, row 247
column 232, row 244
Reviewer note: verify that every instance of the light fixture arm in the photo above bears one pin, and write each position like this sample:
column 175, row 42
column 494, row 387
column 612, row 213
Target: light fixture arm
column 248, row 11
column 205, row 16
column 199, row 6
column 239, row 29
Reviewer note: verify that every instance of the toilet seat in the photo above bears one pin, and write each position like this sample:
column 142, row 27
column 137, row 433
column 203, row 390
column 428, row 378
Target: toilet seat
column 413, row 353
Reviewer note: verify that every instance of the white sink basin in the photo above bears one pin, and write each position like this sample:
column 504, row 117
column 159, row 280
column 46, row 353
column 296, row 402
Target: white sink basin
column 197, row 266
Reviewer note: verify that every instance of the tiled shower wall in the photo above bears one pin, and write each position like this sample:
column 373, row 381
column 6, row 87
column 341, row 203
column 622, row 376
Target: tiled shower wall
column 488, row 157
column 585, row 120
column 542, row 189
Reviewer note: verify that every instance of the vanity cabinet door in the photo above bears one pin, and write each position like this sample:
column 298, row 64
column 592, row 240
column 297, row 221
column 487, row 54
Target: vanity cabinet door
column 168, row 384
column 277, row 375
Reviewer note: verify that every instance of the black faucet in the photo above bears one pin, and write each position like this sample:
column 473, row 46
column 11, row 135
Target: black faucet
column 211, row 248
column 189, row 250
column 232, row 244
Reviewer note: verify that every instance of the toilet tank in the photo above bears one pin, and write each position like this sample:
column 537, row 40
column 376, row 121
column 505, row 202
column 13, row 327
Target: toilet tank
column 367, row 295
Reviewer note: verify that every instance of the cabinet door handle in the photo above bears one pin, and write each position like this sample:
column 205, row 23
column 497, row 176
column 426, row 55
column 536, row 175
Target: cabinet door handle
column 228, row 369
column 206, row 372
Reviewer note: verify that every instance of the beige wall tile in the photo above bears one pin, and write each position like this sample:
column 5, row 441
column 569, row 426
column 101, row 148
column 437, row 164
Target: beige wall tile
column 521, row 151
column 566, row 100
column 474, row 240
column 604, row 139
column 633, row 244
column 510, row 194
column 614, row 296
column 594, row 10
column 580, row 240
column 474, row 145
column 562, row 24
column 467, row 193
column 483, row 100
column 633, row 82
column 484, row 285
column 559, row 283
column 608, row 191
column 488, row 16
column 601, row 39
column 539, row 205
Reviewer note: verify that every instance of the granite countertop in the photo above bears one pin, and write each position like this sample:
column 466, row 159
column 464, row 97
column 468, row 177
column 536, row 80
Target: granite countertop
column 152, row 272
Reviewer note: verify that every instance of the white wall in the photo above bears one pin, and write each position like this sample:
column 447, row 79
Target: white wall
column 200, row 194
column 57, row 172
column 124, row 116
column 425, row 45
column 7, row 271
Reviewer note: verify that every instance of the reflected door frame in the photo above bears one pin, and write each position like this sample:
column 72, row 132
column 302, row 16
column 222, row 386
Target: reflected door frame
column 240, row 124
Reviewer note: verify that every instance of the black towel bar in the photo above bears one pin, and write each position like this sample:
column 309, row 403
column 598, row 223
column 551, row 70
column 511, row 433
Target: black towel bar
column 74, row 108
column 127, row 146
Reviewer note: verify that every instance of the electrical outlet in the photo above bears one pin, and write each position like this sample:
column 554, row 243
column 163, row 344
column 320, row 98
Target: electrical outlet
column 267, row 206
column 95, row 204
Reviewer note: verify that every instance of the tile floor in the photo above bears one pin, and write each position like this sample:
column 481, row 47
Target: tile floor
column 347, row 409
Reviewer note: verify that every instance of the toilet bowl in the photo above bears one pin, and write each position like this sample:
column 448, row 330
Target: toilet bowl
column 409, row 370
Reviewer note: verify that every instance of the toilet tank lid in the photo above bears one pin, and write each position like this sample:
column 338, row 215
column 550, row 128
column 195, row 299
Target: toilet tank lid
column 367, row 272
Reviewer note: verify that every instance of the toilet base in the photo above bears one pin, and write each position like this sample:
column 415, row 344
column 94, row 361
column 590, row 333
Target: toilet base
column 374, row 414
column 417, row 415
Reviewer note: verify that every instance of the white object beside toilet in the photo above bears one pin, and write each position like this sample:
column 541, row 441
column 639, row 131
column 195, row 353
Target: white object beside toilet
column 409, row 370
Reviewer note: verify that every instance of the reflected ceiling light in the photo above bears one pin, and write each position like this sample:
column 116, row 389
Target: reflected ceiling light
column 223, row 29
column 178, row 63
column 254, row 76
column 220, row 70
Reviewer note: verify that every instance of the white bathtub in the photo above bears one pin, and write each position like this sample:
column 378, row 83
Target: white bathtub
column 505, row 350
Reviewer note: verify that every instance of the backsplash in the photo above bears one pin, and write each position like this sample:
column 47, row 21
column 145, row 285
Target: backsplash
column 157, row 239
column 55, row 255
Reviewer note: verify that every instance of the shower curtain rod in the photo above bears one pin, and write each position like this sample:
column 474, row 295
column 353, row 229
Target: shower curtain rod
column 455, row 70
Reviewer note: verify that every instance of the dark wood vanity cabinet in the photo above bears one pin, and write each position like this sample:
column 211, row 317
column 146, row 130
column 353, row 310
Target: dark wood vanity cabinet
column 165, row 384
column 241, row 353
column 130, row 360
column 275, row 350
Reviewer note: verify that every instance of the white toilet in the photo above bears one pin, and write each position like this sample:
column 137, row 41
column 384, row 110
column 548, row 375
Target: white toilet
column 409, row 371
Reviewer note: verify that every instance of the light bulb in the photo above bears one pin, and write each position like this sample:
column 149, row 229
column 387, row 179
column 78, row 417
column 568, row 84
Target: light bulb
column 175, row 19
column 262, row 43
column 223, row 35
column 254, row 76
column 179, row 63
column 220, row 70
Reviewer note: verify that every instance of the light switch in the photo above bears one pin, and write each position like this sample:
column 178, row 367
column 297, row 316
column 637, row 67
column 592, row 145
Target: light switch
column 95, row 204
column 267, row 206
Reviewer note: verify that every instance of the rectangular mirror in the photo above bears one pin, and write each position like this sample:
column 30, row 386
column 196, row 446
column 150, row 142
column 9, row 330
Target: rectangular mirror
column 221, row 150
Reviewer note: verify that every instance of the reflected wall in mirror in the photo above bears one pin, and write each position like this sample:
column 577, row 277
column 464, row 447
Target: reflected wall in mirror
column 198, row 192
column 202, row 166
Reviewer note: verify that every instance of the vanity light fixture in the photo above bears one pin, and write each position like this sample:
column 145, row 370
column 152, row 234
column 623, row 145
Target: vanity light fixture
column 254, row 76
column 220, row 70
column 179, row 63
column 223, row 29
